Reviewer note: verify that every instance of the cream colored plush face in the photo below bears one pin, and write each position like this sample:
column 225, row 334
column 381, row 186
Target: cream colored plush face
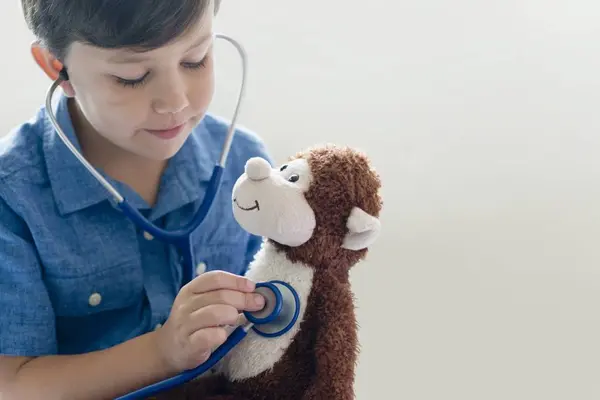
column 270, row 202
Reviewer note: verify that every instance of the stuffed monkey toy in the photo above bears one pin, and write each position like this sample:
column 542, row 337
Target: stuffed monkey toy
column 318, row 213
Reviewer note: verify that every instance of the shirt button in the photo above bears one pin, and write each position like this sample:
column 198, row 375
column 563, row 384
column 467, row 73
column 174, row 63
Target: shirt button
column 200, row 268
column 157, row 327
column 94, row 299
column 148, row 236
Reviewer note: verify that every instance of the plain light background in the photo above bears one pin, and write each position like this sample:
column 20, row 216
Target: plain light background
column 482, row 120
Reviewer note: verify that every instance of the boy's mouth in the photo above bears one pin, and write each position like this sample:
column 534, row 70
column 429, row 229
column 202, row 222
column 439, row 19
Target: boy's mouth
column 167, row 133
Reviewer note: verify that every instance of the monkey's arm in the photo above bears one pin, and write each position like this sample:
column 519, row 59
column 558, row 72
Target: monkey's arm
column 336, row 347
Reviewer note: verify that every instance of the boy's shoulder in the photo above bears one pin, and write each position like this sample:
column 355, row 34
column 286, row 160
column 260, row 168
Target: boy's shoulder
column 244, row 137
column 246, row 143
column 21, row 151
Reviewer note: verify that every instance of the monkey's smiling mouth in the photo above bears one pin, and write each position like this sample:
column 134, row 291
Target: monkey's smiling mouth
column 254, row 207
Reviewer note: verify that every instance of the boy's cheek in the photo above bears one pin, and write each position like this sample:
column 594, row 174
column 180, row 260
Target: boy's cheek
column 202, row 95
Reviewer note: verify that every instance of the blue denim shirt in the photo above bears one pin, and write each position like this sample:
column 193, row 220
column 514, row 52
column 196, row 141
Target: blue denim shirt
column 75, row 274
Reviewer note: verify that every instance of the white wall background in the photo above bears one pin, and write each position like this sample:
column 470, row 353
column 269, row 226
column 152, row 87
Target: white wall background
column 481, row 118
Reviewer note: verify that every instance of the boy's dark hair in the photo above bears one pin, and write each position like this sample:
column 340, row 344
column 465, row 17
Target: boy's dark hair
column 136, row 24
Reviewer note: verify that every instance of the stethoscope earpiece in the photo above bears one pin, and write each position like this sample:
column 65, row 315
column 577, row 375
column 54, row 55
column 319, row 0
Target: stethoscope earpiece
column 63, row 74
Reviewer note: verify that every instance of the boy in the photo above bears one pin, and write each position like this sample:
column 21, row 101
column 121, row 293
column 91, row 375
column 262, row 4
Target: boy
column 91, row 307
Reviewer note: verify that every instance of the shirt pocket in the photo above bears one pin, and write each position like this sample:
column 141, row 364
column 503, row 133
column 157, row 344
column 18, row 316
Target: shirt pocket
column 105, row 289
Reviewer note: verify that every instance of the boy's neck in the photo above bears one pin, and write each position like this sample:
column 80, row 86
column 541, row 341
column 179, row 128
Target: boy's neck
column 141, row 174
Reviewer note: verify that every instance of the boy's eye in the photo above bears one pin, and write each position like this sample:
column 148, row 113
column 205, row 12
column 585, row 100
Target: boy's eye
column 139, row 81
column 196, row 65
column 132, row 82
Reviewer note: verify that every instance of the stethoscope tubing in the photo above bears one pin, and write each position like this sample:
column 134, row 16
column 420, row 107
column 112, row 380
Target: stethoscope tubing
column 179, row 237
column 234, row 338
column 182, row 233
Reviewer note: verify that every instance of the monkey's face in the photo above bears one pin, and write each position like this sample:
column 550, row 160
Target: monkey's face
column 270, row 202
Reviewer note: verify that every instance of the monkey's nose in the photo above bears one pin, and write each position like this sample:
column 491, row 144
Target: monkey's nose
column 258, row 168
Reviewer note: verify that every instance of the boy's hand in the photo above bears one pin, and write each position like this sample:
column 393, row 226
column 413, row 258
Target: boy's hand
column 199, row 314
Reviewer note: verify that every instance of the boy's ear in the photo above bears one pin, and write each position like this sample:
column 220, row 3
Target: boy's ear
column 50, row 65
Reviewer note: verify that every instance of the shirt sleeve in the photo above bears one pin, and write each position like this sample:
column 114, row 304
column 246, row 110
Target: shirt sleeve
column 27, row 321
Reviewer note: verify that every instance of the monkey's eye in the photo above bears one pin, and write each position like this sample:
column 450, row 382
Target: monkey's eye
column 283, row 167
column 294, row 178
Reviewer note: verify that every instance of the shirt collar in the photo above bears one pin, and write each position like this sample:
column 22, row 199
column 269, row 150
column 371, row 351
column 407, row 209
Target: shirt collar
column 75, row 188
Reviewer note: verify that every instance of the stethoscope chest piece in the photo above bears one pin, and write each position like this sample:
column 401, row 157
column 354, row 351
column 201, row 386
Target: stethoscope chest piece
column 281, row 310
column 278, row 316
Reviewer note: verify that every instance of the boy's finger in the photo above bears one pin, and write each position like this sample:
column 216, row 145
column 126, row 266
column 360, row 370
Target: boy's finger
column 240, row 300
column 207, row 338
column 211, row 316
column 215, row 280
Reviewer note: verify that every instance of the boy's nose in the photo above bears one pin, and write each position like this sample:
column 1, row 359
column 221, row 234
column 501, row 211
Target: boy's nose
column 257, row 169
column 171, row 98
column 171, row 105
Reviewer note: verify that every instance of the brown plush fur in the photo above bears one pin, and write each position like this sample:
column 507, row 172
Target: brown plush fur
column 320, row 362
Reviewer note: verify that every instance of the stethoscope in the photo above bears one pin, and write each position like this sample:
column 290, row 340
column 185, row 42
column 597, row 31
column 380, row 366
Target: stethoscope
column 281, row 311
column 282, row 304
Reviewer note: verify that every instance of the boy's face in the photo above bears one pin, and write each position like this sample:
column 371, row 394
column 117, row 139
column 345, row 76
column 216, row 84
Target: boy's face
column 145, row 103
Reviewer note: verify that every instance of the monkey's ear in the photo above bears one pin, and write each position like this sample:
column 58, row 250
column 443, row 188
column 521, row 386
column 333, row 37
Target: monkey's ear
column 363, row 229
